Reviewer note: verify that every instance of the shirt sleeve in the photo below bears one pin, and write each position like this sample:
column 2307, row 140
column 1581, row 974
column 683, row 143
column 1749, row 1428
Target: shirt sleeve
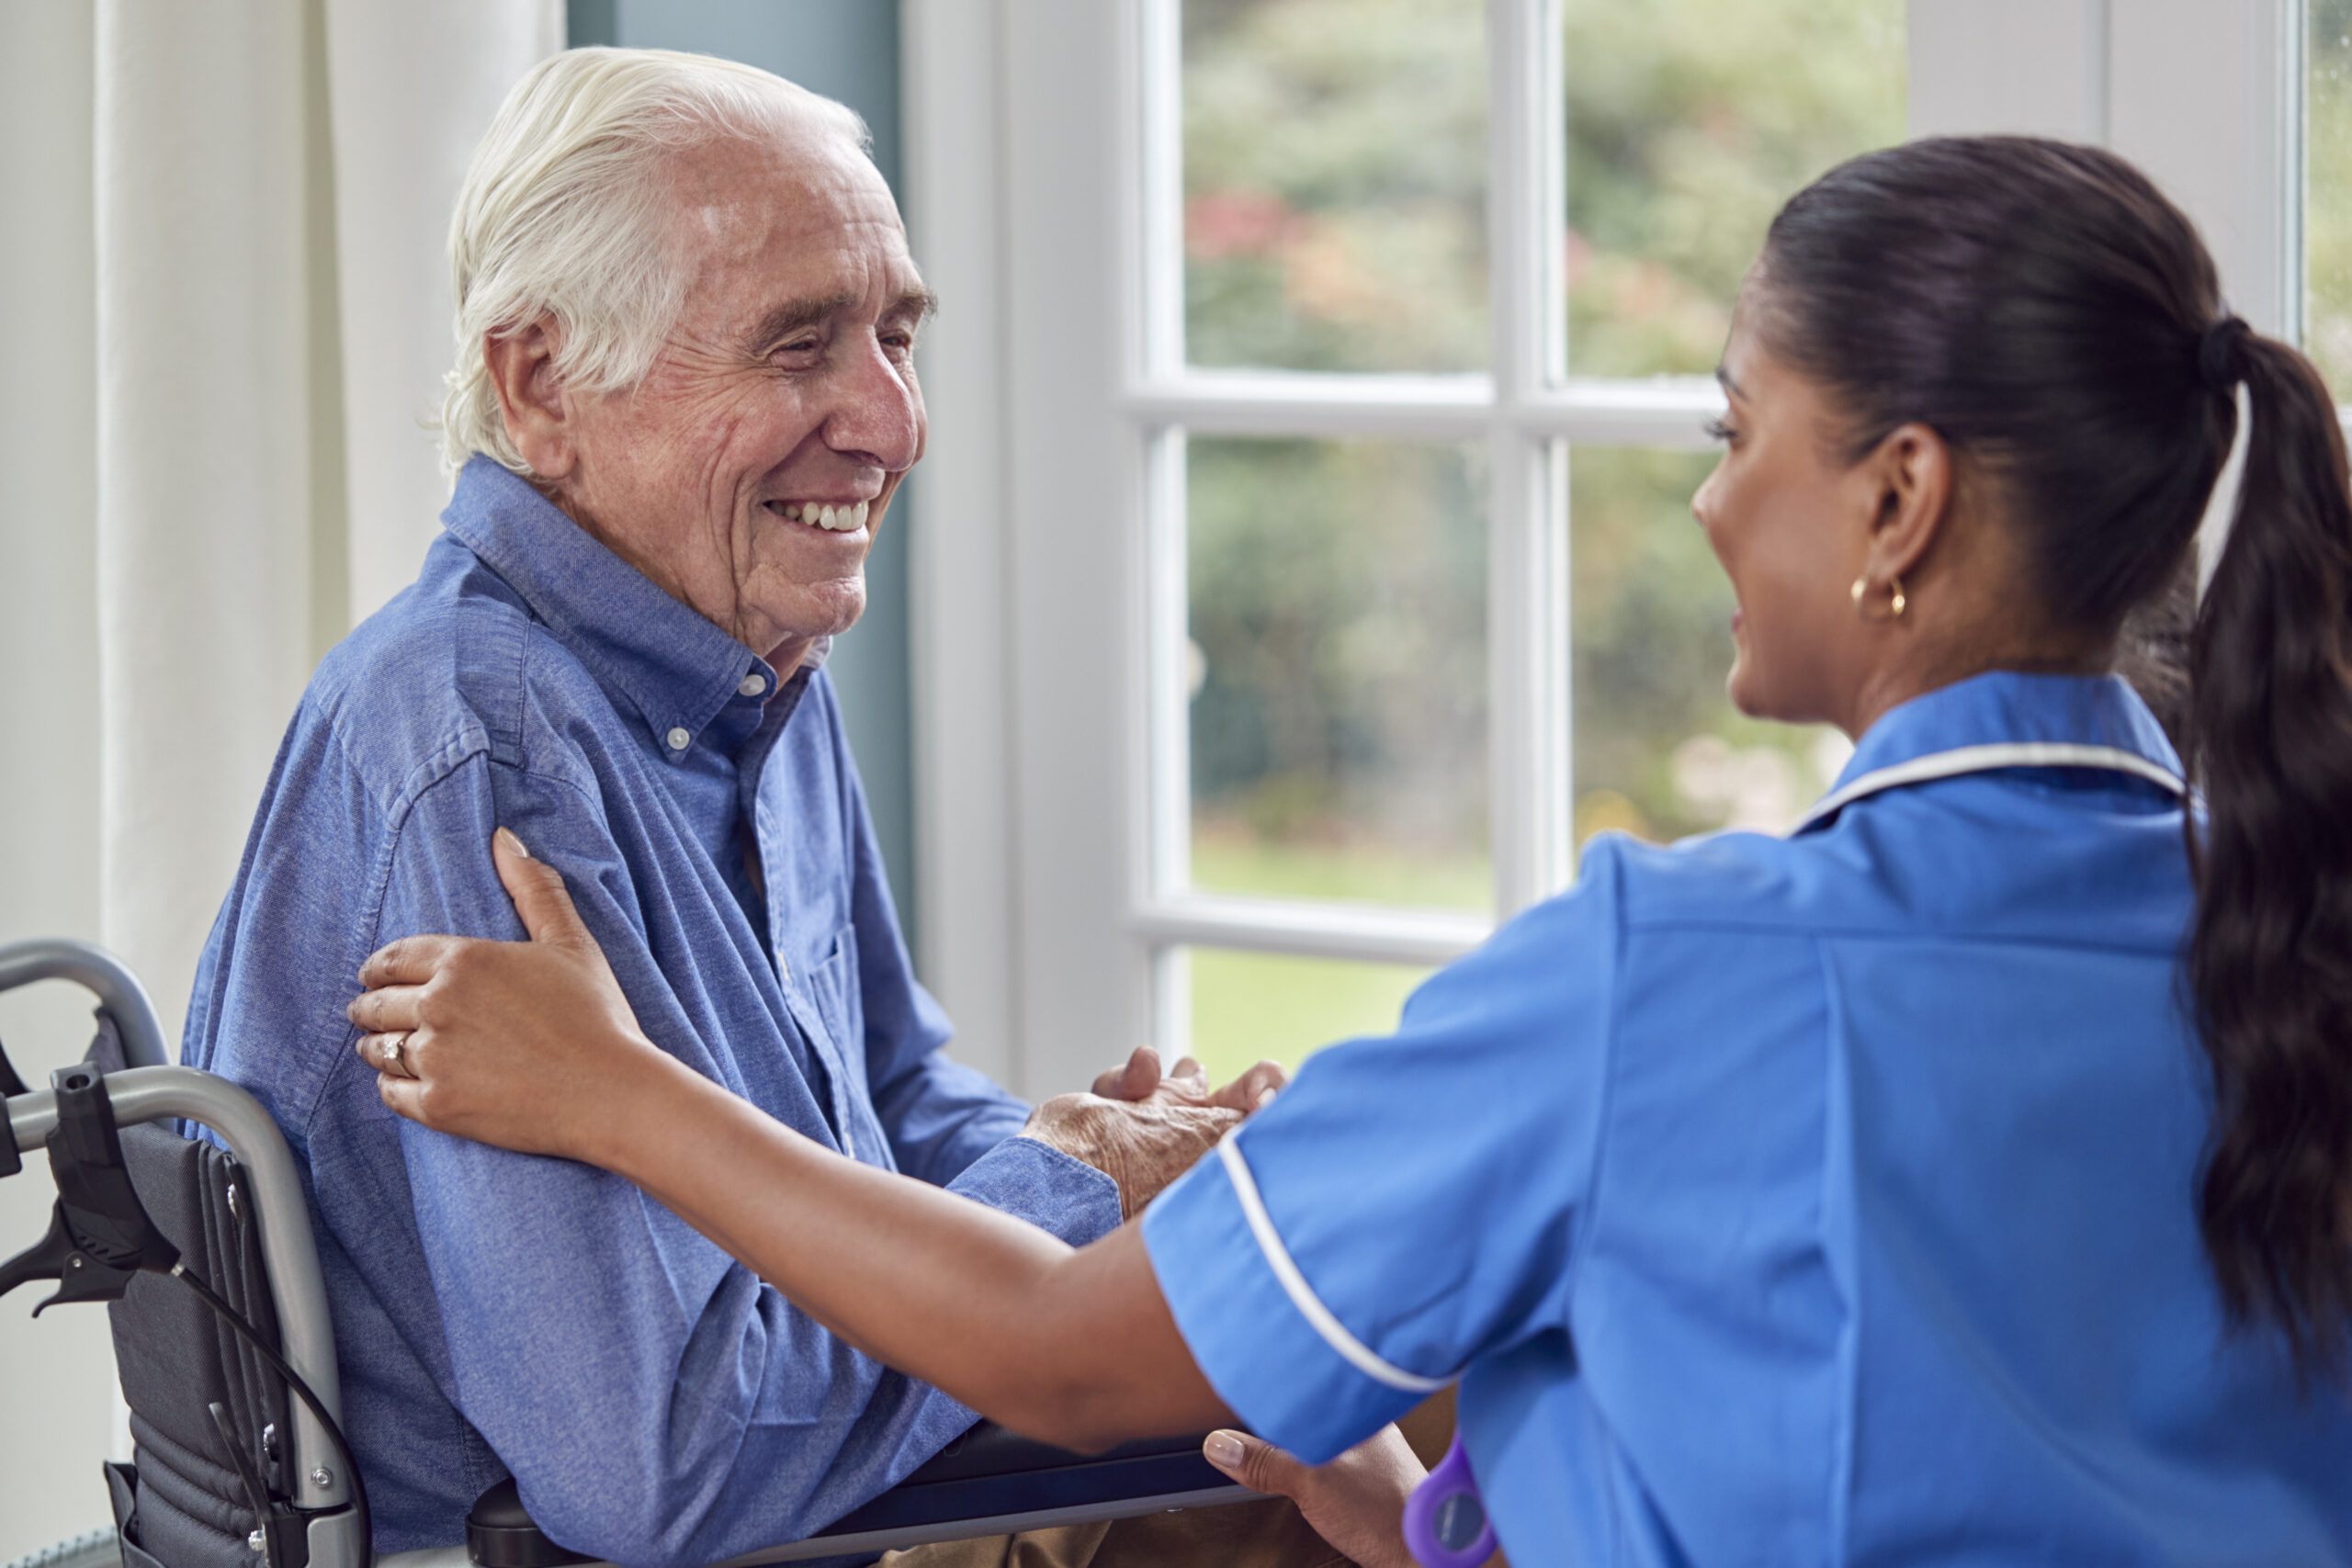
column 656, row 1402
column 939, row 1115
column 1409, row 1204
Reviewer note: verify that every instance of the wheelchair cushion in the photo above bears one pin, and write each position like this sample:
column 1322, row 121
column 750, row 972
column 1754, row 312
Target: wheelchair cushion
column 176, row 1359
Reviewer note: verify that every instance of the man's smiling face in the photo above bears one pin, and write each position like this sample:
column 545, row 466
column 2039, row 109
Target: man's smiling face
column 749, row 471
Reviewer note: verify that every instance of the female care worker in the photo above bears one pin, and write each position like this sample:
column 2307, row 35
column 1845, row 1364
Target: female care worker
column 1964, row 1178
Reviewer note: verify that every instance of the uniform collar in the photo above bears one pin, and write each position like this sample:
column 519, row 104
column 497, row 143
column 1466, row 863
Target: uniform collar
column 2007, row 719
column 677, row 669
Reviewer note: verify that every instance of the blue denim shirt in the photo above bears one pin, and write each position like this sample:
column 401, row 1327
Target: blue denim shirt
column 496, row 1310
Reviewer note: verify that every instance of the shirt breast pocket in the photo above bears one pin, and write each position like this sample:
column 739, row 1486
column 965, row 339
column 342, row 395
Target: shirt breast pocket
column 833, row 991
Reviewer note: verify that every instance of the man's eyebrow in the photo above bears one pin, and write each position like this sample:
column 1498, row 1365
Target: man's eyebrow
column 1723, row 377
column 920, row 303
column 794, row 314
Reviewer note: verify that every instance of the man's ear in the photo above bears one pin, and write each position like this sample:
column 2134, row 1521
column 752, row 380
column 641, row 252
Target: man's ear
column 1910, row 473
column 538, row 416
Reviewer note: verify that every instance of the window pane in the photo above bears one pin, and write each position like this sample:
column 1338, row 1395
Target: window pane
column 1249, row 1006
column 1659, row 749
column 1689, row 123
column 1335, row 179
column 2327, row 211
column 1338, row 617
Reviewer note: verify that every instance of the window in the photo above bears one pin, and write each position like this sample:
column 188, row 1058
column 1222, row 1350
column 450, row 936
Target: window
column 1431, row 291
column 1318, row 571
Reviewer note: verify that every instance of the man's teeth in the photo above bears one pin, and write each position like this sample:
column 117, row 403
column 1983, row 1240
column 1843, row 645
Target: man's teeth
column 845, row 519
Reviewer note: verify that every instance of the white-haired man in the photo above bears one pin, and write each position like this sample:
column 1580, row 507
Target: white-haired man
column 684, row 399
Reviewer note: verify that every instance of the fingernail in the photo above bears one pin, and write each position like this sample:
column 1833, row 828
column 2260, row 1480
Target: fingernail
column 1223, row 1448
column 513, row 845
column 1265, row 1097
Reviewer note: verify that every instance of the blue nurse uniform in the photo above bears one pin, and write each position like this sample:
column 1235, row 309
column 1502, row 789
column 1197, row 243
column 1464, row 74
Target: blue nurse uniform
column 1826, row 1199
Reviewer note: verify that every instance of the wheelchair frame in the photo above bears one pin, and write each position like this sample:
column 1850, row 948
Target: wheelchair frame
column 1014, row 1485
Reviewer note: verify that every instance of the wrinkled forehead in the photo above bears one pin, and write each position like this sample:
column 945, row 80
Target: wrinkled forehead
column 803, row 183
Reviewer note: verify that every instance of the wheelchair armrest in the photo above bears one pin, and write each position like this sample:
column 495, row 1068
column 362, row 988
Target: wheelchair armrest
column 988, row 1476
column 991, row 1474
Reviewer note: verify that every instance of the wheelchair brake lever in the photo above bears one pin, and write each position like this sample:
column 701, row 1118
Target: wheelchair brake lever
column 79, row 1276
column 99, row 1232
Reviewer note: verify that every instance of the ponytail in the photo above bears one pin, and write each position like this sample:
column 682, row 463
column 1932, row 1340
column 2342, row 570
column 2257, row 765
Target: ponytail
column 2270, row 957
column 2047, row 310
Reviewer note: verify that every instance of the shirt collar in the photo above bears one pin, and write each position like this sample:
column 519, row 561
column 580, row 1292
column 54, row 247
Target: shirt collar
column 673, row 666
column 2007, row 709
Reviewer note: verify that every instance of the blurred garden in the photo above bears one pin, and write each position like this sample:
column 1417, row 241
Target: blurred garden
column 2327, row 206
column 1335, row 155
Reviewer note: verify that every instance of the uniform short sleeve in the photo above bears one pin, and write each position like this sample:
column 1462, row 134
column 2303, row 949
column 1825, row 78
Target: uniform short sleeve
column 1409, row 1203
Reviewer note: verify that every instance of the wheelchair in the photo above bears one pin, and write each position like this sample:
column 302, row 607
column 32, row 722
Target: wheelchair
column 227, row 1356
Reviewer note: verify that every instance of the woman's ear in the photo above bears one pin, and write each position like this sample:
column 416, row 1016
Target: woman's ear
column 1910, row 475
column 539, row 418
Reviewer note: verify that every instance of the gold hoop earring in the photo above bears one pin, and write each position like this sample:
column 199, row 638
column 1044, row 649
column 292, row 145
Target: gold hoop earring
column 1896, row 603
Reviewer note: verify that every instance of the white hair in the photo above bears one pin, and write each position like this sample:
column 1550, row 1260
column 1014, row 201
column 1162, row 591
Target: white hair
column 564, row 215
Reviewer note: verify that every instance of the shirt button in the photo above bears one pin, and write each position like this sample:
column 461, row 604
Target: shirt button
column 752, row 686
column 679, row 739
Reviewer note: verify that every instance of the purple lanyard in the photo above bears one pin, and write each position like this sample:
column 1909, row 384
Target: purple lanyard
column 1445, row 1519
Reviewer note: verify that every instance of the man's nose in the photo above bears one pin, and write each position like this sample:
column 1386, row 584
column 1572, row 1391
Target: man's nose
column 877, row 417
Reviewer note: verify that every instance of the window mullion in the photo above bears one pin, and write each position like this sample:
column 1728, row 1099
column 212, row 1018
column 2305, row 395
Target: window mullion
column 1527, row 714
column 1157, row 225
column 1168, row 794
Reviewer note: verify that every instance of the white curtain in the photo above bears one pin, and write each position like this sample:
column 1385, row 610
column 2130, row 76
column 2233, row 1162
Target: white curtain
column 223, row 320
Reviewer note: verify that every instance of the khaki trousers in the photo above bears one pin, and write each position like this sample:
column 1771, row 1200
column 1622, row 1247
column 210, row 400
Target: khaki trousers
column 1263, row 1534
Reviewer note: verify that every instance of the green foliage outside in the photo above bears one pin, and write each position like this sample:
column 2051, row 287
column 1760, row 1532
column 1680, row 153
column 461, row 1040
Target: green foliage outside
column 1248, row 1006
column 1335, row 221
column 2327, row 207
column 1338, row 605
column 1335, row 174
column 1689, row 123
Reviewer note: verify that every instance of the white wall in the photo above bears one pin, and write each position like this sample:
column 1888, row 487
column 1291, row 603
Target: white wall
column 224, row 229
column 57, row 1375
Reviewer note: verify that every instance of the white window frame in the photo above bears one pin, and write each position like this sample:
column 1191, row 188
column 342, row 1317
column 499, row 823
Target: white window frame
column 1048, row 576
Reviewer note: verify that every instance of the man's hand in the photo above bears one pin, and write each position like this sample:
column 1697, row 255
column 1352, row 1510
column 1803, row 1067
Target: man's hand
column 1142, row 1145
column 1356, row 1502
column 1143, row 1128
column 1139, row 1078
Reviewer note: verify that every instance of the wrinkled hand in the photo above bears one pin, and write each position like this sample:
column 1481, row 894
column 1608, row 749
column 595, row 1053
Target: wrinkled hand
column 1356, row 1502
column 527, row 1045
column 1139, row 1078
column 1143, row 1129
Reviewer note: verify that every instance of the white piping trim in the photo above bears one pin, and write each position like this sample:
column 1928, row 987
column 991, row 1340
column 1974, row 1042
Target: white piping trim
column 1302, row 1295
column 1984, row 759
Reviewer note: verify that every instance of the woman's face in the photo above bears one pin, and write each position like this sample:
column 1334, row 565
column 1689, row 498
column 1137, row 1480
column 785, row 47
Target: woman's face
column 1790, row 525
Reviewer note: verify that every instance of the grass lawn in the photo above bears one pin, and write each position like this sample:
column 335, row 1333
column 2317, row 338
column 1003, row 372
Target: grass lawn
column 1248, row 1005
column 1230, row 859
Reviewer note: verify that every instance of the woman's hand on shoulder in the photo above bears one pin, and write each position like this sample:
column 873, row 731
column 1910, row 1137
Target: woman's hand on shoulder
column 527, row 1045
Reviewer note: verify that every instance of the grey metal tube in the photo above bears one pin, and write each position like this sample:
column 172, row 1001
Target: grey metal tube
column 105, row 977
column 156, row 1094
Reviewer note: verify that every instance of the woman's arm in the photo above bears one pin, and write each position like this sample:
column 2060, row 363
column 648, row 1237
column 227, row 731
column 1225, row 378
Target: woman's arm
column 1073, row 1348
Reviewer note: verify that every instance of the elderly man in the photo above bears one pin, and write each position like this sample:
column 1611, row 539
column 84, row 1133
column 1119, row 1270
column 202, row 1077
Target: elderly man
column 684, row 399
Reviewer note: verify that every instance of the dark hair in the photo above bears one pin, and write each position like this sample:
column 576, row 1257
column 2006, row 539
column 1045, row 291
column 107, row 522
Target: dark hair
column 2046, row 311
